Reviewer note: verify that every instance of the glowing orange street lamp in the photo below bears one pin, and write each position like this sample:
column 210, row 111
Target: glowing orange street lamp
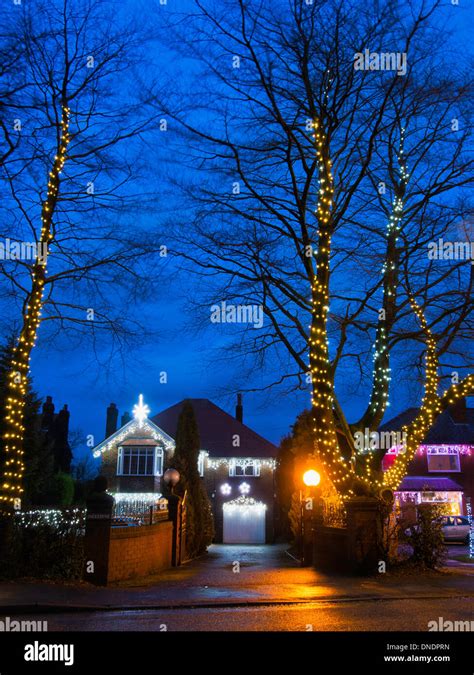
column 311, row 478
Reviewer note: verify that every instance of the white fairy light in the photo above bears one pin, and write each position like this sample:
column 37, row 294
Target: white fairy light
column 129, row 497
column 129, row 430
column 240, row 461
column 245, row 505
column 471, row 527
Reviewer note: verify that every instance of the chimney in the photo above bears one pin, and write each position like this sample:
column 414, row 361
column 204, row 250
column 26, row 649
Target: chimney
column 125, row 418
column 62, row 449
column 111, row 423
column 63, row 421
column 458, row 411
column 239, row 411
column 48, row 413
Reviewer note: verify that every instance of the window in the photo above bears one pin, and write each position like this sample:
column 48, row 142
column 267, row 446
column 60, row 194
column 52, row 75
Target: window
column 140, row 461
column 244, row 467
column 443, row 459
column 201, row 458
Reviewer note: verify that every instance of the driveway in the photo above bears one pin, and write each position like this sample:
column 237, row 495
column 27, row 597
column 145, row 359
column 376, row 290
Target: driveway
column 229, row 576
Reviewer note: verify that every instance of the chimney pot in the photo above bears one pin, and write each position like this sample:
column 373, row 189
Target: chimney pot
column 125, row 419
column 239, row 410
column 111, row 422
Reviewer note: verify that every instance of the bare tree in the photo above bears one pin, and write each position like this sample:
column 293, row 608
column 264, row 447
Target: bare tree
column 317, row 189
column 73, row 125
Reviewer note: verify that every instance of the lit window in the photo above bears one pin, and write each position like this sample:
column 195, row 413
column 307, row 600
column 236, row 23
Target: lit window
column 247, row 467
column 140, row 461
column 443, row 459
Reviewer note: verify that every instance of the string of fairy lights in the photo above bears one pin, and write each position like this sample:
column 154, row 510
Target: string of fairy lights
column 382, row 372
column 471, row 527
column 55, row 518
column 11, row 480
column 322, row 399
column 431, row 404
column 333, row 463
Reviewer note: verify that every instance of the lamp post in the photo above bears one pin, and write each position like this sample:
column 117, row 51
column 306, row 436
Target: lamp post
column 171, row 479
column 311, row 478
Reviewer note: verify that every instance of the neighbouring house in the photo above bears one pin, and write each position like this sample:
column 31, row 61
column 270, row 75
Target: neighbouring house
column 442, row 470
column 236, row 464
column 55, row 429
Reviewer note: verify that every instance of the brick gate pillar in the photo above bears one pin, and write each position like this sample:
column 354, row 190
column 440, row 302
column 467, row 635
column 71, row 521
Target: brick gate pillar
column 97, row 537
column 364, row 534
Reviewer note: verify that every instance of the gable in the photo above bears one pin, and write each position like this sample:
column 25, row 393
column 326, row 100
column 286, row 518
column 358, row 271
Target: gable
column 136, row 433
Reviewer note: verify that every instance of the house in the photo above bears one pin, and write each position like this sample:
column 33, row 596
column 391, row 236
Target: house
column 442, row 470
column 55, row 430
column 236, row 464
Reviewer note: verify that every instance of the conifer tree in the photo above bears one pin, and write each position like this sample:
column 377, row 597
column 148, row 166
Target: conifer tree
column 199, row 521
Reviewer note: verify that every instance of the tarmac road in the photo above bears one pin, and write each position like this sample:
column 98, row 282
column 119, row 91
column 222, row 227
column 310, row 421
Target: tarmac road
column 375, row 615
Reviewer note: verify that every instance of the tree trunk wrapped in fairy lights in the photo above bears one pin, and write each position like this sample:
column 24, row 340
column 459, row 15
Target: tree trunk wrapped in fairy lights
column 348, row 477
column 432, row 405
column 379, row 395
column 327, row 446
column 11, row 481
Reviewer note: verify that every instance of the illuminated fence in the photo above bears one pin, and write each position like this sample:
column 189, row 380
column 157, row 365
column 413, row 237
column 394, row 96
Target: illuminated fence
column 63, row 521
column 145, row 508
column 333, row 512
column 47, row 543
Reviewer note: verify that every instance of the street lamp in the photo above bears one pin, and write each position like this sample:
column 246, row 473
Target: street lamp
column 171, row 478
column 311, row 478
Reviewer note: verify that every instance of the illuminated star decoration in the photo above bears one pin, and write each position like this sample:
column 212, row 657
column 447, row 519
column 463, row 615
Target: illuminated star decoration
column 140, row 411
column 226, row 489
column 244, row 488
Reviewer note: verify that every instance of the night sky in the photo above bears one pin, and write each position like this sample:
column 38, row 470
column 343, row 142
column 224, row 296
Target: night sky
column 71, row 374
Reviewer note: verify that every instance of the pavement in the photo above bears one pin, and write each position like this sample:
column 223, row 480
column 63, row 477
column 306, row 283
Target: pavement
column 238, row 576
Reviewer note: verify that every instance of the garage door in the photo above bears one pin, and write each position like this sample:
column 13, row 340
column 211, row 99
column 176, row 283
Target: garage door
column 244, row 521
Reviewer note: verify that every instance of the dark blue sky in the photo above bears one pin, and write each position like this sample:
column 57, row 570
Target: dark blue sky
column 76, row 378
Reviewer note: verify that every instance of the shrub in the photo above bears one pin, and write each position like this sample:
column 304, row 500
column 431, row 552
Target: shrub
column 45, row 544
column 426, row 537
column 62, row 490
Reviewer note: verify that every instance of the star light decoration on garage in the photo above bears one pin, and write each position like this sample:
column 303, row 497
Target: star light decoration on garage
column 138, row 424
column 13, row 470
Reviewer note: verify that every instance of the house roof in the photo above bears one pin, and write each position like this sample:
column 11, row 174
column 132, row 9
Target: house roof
column 431, row 483
column 445, row 431
column 217, row 431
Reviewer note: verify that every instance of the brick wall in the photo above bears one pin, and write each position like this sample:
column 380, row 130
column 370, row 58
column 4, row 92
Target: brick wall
column 138, row 551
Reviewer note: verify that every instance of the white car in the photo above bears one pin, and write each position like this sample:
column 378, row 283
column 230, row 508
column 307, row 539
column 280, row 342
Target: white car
column 455, row 528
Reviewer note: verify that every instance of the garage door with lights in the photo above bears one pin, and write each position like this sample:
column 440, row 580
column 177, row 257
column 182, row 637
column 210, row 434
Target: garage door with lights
column 244, row 521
